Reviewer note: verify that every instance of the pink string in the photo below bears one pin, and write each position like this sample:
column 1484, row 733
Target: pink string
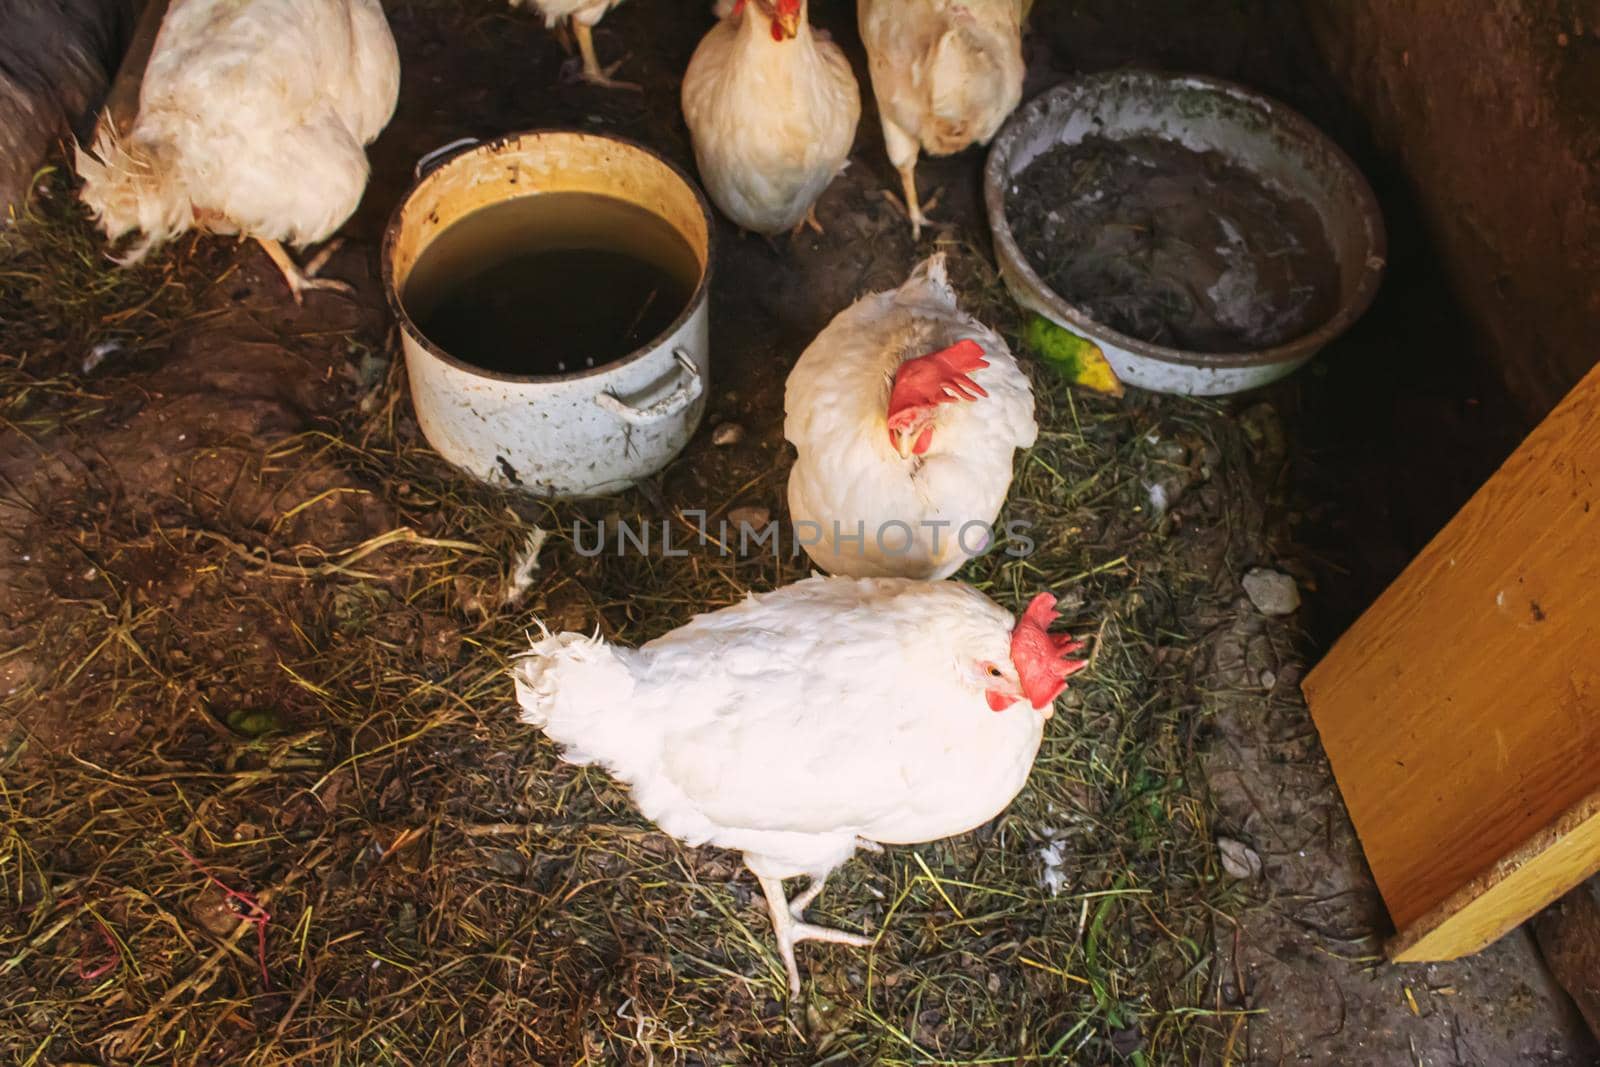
column 258, row 916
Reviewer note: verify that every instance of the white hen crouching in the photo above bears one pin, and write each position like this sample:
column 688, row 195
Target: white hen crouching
column 772, row 111
column 905, row 414
column 802, row 722
column 253, row 119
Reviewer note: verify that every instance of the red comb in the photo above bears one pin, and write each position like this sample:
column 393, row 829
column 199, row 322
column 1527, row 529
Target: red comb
column 1040, row 656
column 937, row 378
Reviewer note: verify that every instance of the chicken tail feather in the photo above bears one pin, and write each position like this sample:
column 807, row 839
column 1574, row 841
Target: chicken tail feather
column 131, row 187
column 970, row 69
column 570, row 685
column 928, row 285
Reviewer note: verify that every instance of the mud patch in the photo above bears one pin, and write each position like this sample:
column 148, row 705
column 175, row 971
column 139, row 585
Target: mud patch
column 1173, row 246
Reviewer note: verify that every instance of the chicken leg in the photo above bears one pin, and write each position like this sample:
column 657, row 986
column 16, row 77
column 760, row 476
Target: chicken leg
column 798, row 906
column 810, row 220
column 908, row 181
column 593, row 72
column 301, row 280
column 903, row 150
column 789, row 930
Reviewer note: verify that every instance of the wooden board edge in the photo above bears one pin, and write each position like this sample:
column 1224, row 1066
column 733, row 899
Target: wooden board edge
column 1478, row 914
column 1349, row 643
column 122, row 101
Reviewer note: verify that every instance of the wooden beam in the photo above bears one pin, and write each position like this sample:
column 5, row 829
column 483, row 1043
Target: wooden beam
column 122, row 102
column 1461, row 713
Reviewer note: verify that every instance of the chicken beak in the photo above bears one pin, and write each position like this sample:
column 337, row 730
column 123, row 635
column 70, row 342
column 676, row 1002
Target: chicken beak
column 904, row 443
column 788, row 22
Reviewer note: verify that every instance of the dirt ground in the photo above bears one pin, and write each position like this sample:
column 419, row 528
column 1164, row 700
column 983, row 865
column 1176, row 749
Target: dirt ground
column 265, row 797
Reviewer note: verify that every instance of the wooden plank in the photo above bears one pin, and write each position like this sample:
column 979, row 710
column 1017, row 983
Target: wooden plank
column 1515, row 888
column 1461, row 713
column 122, row 102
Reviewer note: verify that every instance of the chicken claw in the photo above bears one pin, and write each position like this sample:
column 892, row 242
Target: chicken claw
column 798, row 906
column 301, row 280
column 917, row 212
column 593, row 72
column 810, row 220
column 790, row 931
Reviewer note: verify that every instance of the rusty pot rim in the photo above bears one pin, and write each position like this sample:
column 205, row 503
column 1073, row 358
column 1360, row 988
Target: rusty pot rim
column 391, row 235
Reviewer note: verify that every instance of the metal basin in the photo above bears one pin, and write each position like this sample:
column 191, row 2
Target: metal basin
column 579, row 434
column 1251, row 131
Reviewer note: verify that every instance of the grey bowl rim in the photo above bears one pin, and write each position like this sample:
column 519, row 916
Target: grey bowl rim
column 1291, row 352
column 396, row 300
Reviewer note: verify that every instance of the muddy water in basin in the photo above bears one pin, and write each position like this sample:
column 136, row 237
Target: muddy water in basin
column 1172, row 246
column 554, row 283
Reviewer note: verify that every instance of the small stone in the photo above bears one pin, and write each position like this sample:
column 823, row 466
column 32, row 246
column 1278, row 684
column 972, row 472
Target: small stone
column 752, row 515
column 1272, row 592
column 1269, row 680
column 506, row 863
column 727, row 434
column 1239, row 860
column 212, row 910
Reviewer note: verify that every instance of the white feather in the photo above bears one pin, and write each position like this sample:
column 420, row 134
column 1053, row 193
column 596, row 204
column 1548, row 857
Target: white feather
column 253, row 117
column 794, row 723
column 588, row 12
column 946, row 73
column 847, row 471
column 772, row 121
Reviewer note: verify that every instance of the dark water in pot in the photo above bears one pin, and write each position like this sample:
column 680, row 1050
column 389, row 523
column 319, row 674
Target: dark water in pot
column 555, row 283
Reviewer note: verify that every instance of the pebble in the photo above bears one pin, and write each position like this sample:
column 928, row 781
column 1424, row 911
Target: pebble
column 752, row 515
column 727, row 433
column 1239, row 860
column 1272, row 592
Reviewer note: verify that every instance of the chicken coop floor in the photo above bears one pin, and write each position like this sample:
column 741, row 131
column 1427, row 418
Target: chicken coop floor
column 263, row 797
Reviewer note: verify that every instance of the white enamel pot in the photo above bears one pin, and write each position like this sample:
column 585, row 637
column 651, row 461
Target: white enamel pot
column 581, row 434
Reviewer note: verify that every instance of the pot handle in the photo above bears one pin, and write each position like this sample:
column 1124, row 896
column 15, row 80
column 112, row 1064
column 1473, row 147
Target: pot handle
column 689, row 386
column 428, row 162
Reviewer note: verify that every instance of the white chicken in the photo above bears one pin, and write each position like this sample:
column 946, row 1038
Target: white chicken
column 582, row 16
column 803, row 723
column 253, row 119
column 905, row 414
column 772, row 111
column 946, row 74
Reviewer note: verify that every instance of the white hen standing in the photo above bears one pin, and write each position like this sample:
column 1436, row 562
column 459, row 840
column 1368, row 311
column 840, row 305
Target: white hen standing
column 905, row 414
column 946, row 74
column 253, row 119
column 582, row 16
column 772, row 111
column 804, row 722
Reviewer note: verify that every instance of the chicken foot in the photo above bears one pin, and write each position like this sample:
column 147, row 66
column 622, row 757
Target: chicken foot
column 301, row 280
column 810, row 220
column 790, row 930
column 916, row 211
column 798, row 906
column 593, row 72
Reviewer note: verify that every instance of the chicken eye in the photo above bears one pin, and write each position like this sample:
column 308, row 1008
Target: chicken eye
column 994, row 672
